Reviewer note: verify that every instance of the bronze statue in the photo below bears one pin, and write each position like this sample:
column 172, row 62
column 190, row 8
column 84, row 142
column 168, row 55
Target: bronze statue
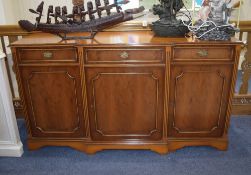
column 76, row 22
column 168, row 25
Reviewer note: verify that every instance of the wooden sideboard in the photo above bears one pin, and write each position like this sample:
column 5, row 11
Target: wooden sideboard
column 126, row 90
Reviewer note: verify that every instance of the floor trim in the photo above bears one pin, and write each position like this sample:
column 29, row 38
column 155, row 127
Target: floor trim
column 11, row 150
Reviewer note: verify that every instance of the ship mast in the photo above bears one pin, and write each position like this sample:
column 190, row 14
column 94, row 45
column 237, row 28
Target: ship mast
column 78, row 7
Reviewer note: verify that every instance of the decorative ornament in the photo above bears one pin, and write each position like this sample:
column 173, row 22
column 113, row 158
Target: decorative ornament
column 168, row 25
column 76, row 21
column 213, row 23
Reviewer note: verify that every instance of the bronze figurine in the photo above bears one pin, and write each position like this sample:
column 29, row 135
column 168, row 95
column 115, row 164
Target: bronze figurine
column 168, row 25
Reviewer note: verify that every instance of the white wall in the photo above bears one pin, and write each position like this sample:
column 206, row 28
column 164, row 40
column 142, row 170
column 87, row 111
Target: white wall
column 2, row 14
column 15, row 10
column 245, row 13
column 24, row 5
column 10, row 11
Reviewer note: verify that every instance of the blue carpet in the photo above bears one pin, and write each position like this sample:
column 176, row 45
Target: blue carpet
column 188, row 161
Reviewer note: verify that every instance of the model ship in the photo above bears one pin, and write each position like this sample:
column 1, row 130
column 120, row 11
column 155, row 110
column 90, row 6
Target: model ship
column 77, row 20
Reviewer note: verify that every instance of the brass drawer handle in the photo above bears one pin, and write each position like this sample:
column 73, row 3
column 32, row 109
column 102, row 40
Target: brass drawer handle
column 124, row 55
column 47, row 55
column 202, row 53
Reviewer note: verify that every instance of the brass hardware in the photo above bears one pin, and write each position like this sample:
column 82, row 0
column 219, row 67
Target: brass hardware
column 202, row 53
column 47, row 54
column 124, row 55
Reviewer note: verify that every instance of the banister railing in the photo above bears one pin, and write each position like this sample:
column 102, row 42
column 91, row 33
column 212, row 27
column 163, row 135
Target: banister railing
column 242, row 99
column 12, row 30
column 9, row 34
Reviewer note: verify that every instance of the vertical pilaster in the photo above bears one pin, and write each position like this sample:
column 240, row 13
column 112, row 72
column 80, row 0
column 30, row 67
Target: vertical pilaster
column 10, row 144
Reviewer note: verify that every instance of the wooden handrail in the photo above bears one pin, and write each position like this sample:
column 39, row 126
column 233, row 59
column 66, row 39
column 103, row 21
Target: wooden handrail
column 16, row 30
column 13, row 30
column 245, row 26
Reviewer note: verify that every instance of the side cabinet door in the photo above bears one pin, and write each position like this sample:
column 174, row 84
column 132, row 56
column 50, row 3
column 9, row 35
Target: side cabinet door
column 126, row 103
column 198, row 100
column 54, row 101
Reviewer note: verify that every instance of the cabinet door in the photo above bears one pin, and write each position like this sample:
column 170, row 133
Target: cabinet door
column 54, row 101
column 126, row 103
column 199, row 97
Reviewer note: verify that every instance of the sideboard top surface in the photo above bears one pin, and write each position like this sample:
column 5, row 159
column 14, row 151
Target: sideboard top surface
column 113, row 38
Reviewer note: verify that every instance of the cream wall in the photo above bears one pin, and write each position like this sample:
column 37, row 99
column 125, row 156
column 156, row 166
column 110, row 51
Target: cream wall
column 14, row 10
column 10, row 11
column 24, row 5
column 2, row 14
column 2, row 17
column 245, row 13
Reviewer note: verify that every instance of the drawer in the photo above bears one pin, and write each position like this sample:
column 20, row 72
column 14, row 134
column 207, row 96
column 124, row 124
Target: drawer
column 203, row 53
column 47, row 54
column 124, row 55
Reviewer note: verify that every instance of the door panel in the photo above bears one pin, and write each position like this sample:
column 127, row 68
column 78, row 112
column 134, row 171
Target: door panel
column 126, row 103
column 198, row 100
column 54, row 101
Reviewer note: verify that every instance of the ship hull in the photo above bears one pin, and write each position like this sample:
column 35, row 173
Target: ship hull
column 88, row 26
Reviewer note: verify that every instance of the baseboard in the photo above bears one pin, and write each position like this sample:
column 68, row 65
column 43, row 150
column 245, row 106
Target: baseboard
column 11, row 150
column 241, row 105
column 18, row 107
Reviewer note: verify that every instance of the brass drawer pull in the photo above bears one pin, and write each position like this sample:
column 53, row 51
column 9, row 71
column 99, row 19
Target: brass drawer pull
column 202, row 53
column 124, row 55
column 47, row 55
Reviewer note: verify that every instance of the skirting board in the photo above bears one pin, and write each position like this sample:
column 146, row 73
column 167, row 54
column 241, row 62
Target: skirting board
column 11, row 150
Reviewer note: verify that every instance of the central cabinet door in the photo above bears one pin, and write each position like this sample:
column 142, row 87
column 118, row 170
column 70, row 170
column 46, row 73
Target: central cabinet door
column 126, row 103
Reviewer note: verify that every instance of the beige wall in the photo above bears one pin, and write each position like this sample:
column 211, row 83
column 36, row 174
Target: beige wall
column 24, row 5
column 245, row 10
column 15, row 10
column 10, row 11
column 245, row 15
column 2, row 14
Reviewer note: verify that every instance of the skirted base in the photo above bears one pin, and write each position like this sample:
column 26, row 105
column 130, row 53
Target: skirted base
column 159, row 147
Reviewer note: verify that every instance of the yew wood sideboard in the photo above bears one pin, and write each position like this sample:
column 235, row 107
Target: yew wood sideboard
column 126, row 90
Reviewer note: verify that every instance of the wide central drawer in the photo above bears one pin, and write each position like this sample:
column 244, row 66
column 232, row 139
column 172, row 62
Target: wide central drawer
column 124, row 55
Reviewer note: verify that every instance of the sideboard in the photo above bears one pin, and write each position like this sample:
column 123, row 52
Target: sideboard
column 126, row 90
